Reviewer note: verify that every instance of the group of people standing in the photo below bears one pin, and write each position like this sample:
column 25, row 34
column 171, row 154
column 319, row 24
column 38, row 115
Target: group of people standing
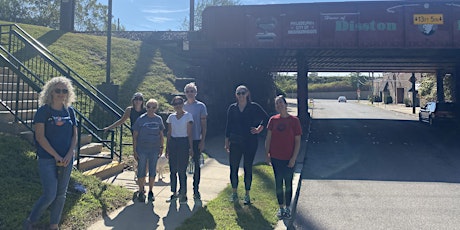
column 56, row 135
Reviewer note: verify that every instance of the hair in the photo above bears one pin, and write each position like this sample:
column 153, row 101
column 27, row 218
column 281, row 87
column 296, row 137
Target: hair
column 152, row 101
column 191, row 85
column 281, row 97
column 177, row 98
column 138, row 94
column 248, row 93
column 46, row 98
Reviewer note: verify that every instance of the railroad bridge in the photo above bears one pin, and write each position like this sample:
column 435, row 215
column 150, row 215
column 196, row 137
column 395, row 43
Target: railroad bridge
column 245, row 44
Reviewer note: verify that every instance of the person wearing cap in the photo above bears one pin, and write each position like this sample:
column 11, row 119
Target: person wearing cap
column 199, row 113
column 132, row 112
column 245, row 119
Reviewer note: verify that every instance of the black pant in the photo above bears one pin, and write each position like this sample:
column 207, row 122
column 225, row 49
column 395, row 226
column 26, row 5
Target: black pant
column 178, row 161
column 196, row 160
column 283, row 175
column 246, row 149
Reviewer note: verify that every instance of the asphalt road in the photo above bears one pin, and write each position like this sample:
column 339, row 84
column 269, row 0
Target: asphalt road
column 369, row 168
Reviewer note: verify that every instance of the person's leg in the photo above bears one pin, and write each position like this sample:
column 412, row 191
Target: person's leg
column 183, row 160
column 48, row 177
column 197, row 173
column 141, row 170
column 173, row 166
column 249, row 154
column 58, row 204
column 152, row 162
column 235, row 158
column 288, row 176
column 279, row 177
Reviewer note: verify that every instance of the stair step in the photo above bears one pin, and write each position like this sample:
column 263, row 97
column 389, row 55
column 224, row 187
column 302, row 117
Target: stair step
column 24, row 104
column 28, row 136
column 91, row 149
column 88, row 163
column 85, row 139
column 106, row 171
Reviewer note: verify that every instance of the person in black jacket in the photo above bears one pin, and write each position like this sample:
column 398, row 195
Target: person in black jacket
column 245, row 119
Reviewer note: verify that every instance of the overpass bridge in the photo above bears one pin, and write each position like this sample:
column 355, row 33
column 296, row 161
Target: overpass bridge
column 381, row 36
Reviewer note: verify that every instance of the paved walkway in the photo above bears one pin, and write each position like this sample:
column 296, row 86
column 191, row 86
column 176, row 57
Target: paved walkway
column 161, row 215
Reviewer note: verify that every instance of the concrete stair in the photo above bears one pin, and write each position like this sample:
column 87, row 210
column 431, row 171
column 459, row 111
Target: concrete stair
column 99, row 165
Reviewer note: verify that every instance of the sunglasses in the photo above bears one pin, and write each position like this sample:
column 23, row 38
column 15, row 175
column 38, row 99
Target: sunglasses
column 138, row 99
column 151, row 107
column 241, row 93
column 177, row 103
column 59, row 91
column 190, row 91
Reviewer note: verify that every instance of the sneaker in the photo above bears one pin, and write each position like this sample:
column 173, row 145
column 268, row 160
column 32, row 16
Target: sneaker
column 280, row 213
column 197, row 196
column 141, row 196
column 150, row 196
column 287, row 213
column 183, row 199
column 247, row 200
column 234, row 197
column 172, row 198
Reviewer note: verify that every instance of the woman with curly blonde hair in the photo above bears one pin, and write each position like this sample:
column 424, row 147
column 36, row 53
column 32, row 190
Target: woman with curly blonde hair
column 56, row 139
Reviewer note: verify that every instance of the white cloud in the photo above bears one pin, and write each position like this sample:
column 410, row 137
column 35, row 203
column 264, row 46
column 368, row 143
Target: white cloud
column 159, row 19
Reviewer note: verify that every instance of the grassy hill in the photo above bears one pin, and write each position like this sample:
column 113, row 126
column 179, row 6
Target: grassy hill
column 136, row 66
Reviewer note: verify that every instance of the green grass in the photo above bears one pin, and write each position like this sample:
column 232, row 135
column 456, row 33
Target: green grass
column 21, row 187
column 220, row 213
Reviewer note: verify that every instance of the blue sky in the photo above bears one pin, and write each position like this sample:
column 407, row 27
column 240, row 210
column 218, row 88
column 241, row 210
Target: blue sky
column 163, row 15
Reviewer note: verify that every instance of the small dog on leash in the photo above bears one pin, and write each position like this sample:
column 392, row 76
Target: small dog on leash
column 161, row 167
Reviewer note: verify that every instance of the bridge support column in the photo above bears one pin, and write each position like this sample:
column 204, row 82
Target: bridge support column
column 302, row 91
column 440, row 85
column 456, row 76
column 67, row 15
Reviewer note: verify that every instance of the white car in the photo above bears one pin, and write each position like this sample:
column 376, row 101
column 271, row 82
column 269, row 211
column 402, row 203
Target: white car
column 342, row 99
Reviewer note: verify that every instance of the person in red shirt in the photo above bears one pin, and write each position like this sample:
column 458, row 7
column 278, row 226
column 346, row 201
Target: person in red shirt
column 282, row 146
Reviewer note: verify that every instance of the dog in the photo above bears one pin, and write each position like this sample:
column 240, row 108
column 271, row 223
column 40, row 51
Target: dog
column 162, row 163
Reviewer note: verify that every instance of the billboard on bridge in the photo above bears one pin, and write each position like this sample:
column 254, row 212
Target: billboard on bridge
column 389, row 24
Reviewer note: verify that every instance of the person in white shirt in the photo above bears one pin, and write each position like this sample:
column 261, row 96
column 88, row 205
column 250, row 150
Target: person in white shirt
column 179, row 148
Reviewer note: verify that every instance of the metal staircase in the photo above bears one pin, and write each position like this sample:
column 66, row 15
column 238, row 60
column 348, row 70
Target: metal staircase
column 25, row 65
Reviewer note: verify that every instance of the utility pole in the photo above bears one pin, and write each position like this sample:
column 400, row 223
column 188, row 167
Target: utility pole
column 192, row 15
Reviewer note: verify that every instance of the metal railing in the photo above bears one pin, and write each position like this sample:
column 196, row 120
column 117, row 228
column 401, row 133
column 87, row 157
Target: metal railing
column 25, row 65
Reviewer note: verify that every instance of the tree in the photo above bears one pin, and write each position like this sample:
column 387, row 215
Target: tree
column 89, row 14
column 200, row 6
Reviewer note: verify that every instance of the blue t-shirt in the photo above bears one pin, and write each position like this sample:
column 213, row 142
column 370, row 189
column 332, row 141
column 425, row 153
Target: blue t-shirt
column 198, row 111
column 149, row 129
column 58, row 129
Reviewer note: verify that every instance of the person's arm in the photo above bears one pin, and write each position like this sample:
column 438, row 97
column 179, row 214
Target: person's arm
column 122, row 120
column 228, row 127
column 161, row 143
column 73, row 145
column 268, row 140
column 43, row 142
column 204, row 127
column 135, row 136
column 260, row 114
column 168, row 139
column 190, row 136
column 296, row 152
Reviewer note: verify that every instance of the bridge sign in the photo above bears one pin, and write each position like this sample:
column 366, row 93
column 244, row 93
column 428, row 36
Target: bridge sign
column 420, row 19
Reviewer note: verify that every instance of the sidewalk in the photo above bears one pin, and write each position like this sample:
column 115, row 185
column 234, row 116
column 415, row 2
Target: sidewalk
column 400, row 108
column 161, row 215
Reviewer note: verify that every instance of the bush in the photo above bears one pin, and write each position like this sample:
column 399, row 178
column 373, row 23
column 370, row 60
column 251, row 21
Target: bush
column 375, row 98
column 407, row 102
column 388, row 99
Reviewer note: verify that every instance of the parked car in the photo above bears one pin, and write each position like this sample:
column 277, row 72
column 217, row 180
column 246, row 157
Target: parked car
column 434, row 112
column 342, row 99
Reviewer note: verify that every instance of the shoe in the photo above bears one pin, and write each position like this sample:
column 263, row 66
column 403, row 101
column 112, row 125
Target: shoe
column 183, row 199
column 234, row 197
column 280, row 213
column 141, row 196
column 172, row 198
column 287, row 213
column 247, row 200
column 197, row 196
column 150, row 196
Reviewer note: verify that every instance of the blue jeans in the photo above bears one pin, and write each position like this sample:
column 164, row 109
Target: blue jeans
column 54, row 182
column 197, row 172
column 178, row 160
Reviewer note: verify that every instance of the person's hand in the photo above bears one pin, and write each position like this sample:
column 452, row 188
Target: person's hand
column 227, row 147
column 68, row 157
column 257, row 130
column 167, row 153
column 201, row 146
column 190, row 152
column 59, row 160
column 268, row 159
column 291, row 163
